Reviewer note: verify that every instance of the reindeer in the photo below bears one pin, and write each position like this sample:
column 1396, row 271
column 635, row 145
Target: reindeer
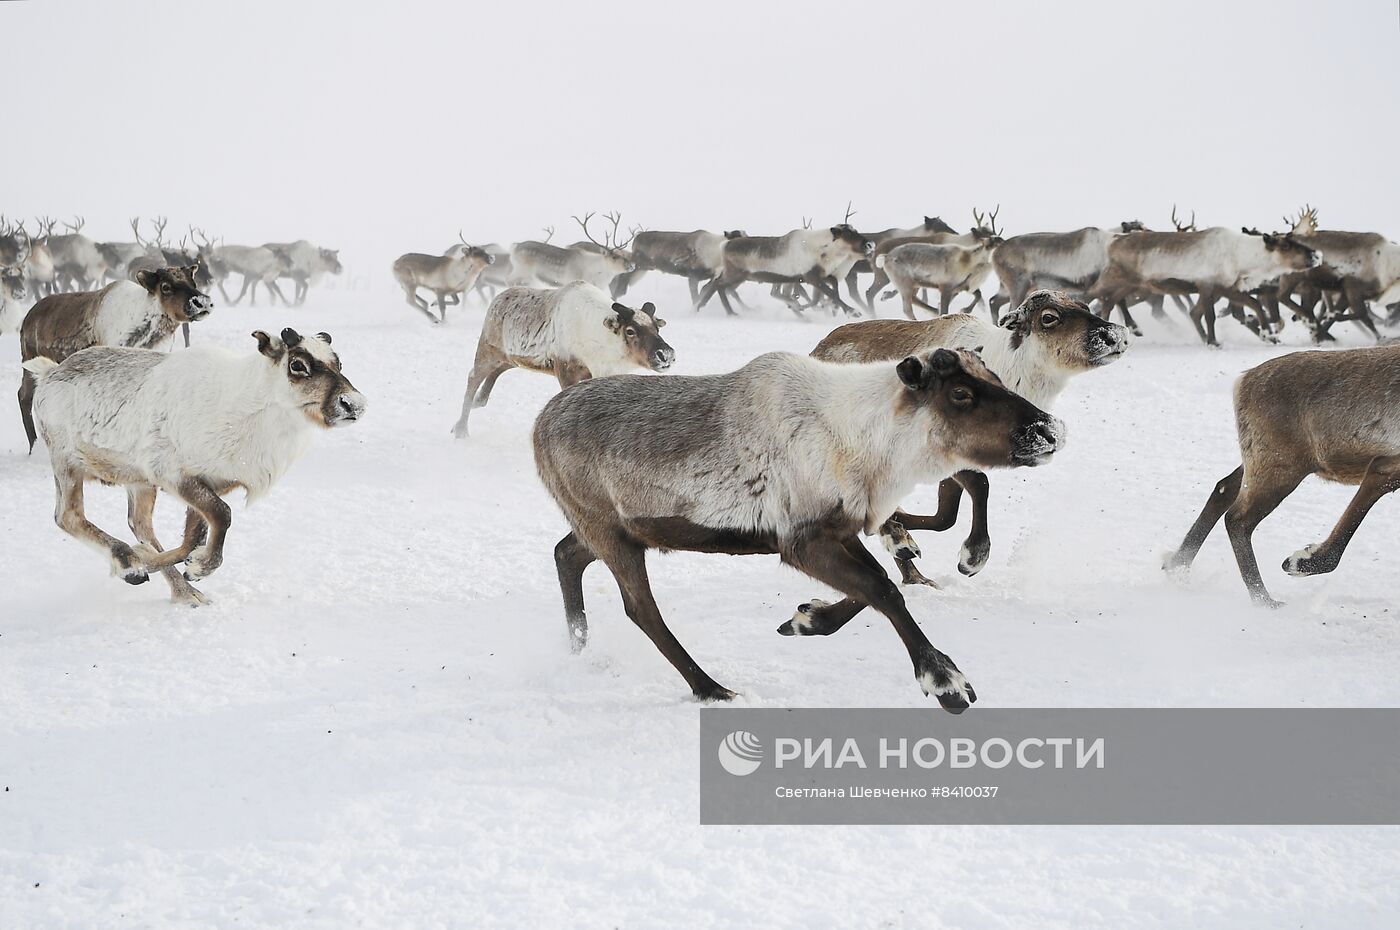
column 305, row 264
column 1356, row 268
column 40, row 275
column 257, row 265
column 574, row 333
column 1035, row 350
column 140, row 314
column 12, row 296
column 788, row 456
column 535, row 264
column 816, row 257
column 1330, row 414
column 496, row 275
column 968, row 240
column 950, row 268
column 447, row 276
column 1069, row 262
column 697, row 256
column 931, row 226
column 1211, row 263
column 78, row 263
column 194, row 424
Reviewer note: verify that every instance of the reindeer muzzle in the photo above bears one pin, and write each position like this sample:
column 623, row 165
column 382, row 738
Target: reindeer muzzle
column 1106, row 344
column 1035, row 444
column 198, row 307
column 349, row 407
column 663, row 359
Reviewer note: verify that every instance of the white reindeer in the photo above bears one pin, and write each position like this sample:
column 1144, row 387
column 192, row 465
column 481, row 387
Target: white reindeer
column 195, row 424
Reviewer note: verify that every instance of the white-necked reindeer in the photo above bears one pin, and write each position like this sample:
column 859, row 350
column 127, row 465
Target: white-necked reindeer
column 539, row 264
column 195, row 424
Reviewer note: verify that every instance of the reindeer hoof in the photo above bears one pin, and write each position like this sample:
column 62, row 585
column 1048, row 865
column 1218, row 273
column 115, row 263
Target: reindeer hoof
column 973, row 558
column 714, row 693
column 899, row 543
column 135, row 576
column 803, row 619
column 191, row 598
column 939, row 677
column 1301, row 564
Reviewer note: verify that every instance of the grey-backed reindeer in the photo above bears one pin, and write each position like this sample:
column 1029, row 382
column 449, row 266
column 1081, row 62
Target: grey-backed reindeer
column 305, row 264
column 1069, row 262
column 697, row 256
column 539, row 264
column 1330, row 414
column 447, row 276
column 931, row 226
column 950, row 268
column 78, row 263
column 788, row 456
column 818, row 258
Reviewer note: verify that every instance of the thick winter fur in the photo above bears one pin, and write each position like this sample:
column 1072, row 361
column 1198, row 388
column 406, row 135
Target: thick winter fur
column 1035, row 351
column 305, row 264
column 539, row 264
column 574, row 333
column 77, row 261
column 124, row 313
column 696, row 256
column 816, row 257
column 1331, row 414
column 1212, row 263
column 788, row 455
column 196, row 424
column 931, row 226
column 450, row 275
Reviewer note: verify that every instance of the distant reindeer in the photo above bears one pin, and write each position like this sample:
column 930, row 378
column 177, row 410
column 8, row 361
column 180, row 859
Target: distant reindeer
column 931, row 226
column 305, row 264
column 697, row 256
column 447, row 276
column 497, row 275
column 78, row 263
column 950, row 268
column 1070, row 262
column 257, row 265
column 12, row 298
column 818, row 258
column 1356, row 269
column 539, row 264
column 40, row 275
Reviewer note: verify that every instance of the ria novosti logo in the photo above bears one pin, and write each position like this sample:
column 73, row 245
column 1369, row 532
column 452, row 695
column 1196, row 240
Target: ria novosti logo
column 740, row 753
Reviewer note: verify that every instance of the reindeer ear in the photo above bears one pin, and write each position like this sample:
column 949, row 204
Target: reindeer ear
column 193, row 269
column 943, row 362
column 659, row 322
column 266, row 346
column 649, row 309
column 912, row 373
column 147, row 279
column 623, row 317
column 324, row 337
column 291, row 337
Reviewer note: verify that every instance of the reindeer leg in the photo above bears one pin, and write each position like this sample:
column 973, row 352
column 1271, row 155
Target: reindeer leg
column 830, row 561
column 626, row 559
column 140, row 513
column 1221, row 498
column 694, row 284
column 571, row 557
column 185, row 332
column 27, row 385
column 489, row 364
column 1262, row 492
column 820, row 618
column 1382, row 477
column 1361, row 307
column 68, row 514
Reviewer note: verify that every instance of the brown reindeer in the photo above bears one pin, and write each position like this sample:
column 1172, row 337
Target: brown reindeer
column 1331, row 414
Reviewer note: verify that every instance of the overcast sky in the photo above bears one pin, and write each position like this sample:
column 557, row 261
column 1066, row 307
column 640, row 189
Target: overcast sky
column 383, row 127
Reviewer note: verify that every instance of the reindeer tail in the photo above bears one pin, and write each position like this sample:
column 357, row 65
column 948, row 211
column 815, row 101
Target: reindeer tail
column 40, row 367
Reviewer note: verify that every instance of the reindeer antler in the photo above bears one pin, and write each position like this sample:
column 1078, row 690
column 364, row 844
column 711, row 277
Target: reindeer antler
column 198, row 234
column 1183, row 227
column 159, row 223
column 806, row 222
column 616, row 219
column 46, row 224
column 76, row 226
column 548, row 233
column 846, row 221
column 136, row 231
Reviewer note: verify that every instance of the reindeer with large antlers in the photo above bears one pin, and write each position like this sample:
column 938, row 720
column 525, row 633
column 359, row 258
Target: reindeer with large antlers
column 539, row 264
column 1357, row 268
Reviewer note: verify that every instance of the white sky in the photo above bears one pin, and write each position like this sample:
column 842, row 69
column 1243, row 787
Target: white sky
column 382, row 127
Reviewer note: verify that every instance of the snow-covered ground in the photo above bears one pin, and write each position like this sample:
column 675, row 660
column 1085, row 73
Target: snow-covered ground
column 379, row 724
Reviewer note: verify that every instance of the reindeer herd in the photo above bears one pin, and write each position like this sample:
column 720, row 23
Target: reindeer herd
column 1320, row 277
column 790, row 455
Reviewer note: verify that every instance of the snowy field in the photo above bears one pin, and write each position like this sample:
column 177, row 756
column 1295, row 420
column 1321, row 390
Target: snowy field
column 379, row 724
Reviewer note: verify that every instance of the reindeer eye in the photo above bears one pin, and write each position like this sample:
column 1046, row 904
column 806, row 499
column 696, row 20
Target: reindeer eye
column 1049, row 319
column 631, row 332
column 298, row 367
column 962, row 396
column 165, row 288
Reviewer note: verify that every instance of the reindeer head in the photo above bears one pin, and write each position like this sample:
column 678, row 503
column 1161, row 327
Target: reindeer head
column 330, row 261
column 1128, row 226
column 474, row 254
column 972, row 417
column 639, row 331
column 12, row 282
column 935, row 224
column 735, row 234
column 180, row 298
column 1055, row 324
column 1290, row 253
column 860, row 244
column 985, row 230
column 311, row 378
